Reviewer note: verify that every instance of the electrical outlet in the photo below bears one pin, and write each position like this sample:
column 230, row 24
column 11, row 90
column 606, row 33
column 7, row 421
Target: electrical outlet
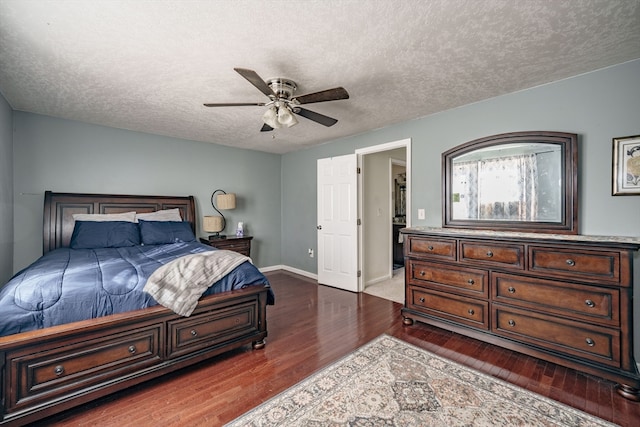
column 421, row 214
column 310, row 253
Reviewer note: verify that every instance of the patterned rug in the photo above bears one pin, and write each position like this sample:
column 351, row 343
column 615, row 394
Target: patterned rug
column 389, row 382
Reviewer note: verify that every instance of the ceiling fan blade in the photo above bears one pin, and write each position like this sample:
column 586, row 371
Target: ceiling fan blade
column 316, row 117
column 255, row 80
column 235, row 104
column 324, row 95
column 266, row 128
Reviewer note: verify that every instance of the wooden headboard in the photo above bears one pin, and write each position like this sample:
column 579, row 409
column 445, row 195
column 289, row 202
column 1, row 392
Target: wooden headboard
column 59, row 208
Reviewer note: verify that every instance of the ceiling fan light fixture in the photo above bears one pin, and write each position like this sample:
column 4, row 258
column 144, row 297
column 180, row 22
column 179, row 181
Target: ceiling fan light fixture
column 282, row 105
column 285, row 117
column 270, row 117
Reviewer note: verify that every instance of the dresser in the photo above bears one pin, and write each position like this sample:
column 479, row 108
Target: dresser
column 231, row 243
column 562, row 298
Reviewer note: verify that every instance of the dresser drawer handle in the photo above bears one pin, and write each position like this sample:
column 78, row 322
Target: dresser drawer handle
column 58, row 370
column 511, row 290
column 194, row 333
column 590, row 342
column 422, row 273
column 421, row 299
column 471, row 281
column 471, row 312
column 512, row 322
column 489, row 254
column 570, row 262
column 590, row 303
column 132, row 349
column 430, row 248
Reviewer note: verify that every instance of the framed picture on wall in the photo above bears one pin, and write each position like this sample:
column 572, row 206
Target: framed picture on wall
column 626, row 166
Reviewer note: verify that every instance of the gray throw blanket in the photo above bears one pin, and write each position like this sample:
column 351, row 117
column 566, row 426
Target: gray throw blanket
column 179, row 284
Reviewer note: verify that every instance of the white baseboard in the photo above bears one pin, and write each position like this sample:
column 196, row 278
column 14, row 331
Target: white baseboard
column 377, row 280
column 271, row 268
column 289, row 269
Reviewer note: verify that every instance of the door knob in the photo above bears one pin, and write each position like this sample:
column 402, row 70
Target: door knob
column 319, row 227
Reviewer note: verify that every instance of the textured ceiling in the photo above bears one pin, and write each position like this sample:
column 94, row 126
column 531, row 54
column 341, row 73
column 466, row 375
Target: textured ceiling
column 150, row 65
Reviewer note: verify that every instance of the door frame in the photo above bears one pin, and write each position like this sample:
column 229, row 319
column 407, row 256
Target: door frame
column 406, row 143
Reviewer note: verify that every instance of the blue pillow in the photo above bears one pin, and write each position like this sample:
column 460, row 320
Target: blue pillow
column 104, row 234
column 163, row 232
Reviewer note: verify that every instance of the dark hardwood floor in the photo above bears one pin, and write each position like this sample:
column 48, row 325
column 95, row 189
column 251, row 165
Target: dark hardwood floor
column 310, row 327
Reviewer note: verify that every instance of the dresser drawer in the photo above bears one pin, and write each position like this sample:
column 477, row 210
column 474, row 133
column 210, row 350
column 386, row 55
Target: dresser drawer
column 492, row 254
column 42, row 376
column 593, row 266
column 242, row 247
column 467, row 311
column 450, row 278
column 204, row 330
column 431, row 248
column 237, row 244
column 576, row 338
column 589, row 303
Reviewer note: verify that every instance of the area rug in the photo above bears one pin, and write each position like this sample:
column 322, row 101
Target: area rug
column 389, row 382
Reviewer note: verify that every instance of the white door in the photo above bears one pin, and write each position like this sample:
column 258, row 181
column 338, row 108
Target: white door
column 338, row 222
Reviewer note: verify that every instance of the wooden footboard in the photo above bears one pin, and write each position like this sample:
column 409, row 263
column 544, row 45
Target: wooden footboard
column 48, row 371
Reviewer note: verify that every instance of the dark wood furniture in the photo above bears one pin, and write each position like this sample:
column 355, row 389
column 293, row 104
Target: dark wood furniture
column 231, row 243
column 565, row 300
column 47, row 371
column 296, row 350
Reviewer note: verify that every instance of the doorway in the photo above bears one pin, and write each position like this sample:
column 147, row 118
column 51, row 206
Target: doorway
column 379, row 196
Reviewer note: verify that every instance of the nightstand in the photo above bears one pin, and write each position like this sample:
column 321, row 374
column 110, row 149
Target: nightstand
column 231, row 243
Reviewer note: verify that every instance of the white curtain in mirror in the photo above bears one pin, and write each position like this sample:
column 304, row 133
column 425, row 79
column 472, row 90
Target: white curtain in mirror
column 503, row 188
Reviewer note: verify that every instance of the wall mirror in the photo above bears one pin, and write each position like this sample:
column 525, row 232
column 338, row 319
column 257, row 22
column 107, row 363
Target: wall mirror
column 521, row 181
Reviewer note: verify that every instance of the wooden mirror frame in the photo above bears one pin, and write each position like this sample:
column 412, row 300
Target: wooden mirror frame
column 569, row 187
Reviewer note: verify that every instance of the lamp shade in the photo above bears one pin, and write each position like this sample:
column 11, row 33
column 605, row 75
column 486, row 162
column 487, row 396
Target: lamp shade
column 213, row 224
column 270, row 117
column 285, row 117
column 226, row 201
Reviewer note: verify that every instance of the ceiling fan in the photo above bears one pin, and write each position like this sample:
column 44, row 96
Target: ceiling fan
column 282, row 105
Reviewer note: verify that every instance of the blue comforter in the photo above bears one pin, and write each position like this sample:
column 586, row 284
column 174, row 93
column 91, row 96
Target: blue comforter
column 68, row 285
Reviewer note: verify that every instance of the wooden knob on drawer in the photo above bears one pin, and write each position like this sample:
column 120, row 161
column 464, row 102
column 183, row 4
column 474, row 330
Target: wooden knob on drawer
column 422, row 273
column 58, row 370
column 471, row 312
column 570, row 262
column 194, row 333
column 590, row 342
column 512, row 322
column 511, row 290
column 489, row 254
column 590, row 303
column 430, row 248
column 421, row 299
column 132, row 349
column 471, row 281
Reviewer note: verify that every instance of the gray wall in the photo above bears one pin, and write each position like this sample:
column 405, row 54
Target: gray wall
column 53, row 153
column 63, row 155
column 597, row 106
column 6, row 190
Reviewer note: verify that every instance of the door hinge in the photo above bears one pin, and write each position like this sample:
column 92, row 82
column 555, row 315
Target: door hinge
column 359, row 273
column 358, row 171
column 359, row 221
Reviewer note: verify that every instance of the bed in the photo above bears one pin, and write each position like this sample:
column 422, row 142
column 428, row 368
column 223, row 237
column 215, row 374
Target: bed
column 59, row 364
